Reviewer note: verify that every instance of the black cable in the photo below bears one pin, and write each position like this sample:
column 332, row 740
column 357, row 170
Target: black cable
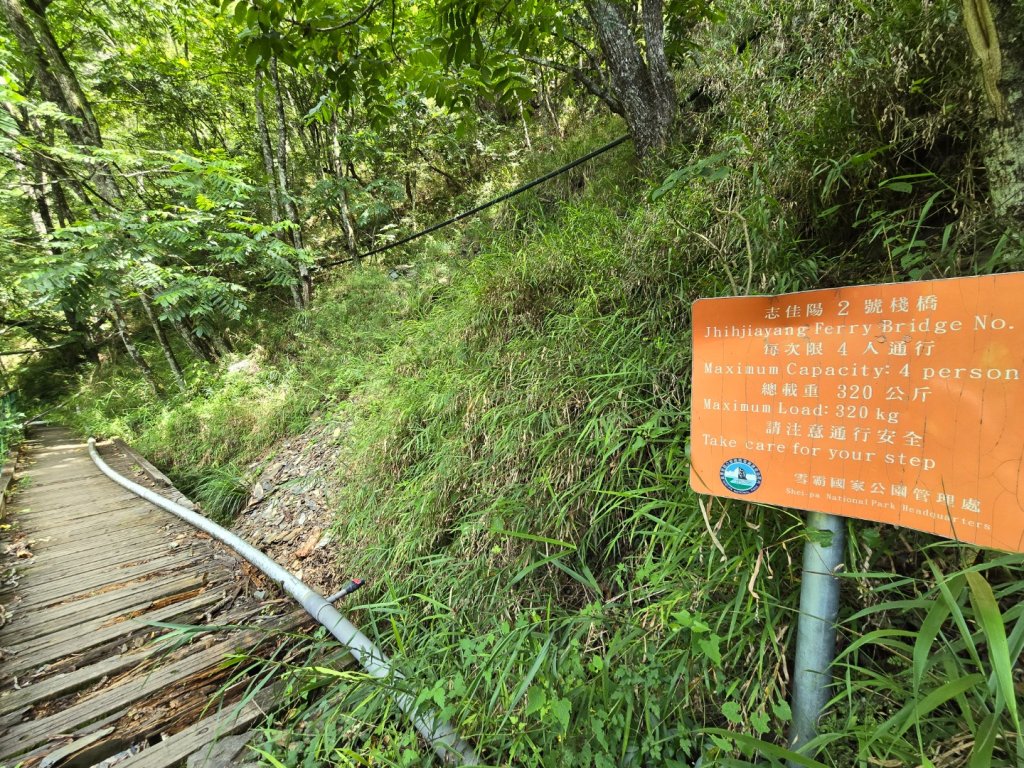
column 508, row 195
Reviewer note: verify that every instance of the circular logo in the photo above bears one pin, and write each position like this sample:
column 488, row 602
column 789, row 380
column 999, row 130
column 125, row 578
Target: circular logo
column 740, row 476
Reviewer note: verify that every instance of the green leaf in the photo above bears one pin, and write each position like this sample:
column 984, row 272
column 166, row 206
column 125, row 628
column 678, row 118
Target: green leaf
column 757, row 745
column 899, row 186
column 782, row 711
column 268, row 757
column 709, row 645
column 561, row 709
column 984, row 742
column 925, row 637
column 526, row 681
column 732, row 712
column 534, row 537
column 759, row 722
column 535, row 699
column 991, row 620
column 912, row 713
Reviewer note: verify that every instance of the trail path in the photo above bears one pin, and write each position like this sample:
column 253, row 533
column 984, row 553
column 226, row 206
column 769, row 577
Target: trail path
column 88, row 567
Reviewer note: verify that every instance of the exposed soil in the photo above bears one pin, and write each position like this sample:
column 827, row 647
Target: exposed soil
column 288, row 514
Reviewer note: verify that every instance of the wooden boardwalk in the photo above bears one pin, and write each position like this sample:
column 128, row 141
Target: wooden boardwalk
column 87, row 567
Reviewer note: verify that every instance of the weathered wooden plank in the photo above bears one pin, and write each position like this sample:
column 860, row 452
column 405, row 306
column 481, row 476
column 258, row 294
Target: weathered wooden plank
column 35, row 510
column 63, row 477
column 114, row 698
column 62, row 470
column 65, row 558
column 195, row 739
column 154, row 474
column 51, row 578
column 89, row 538
column 90, row 623
column 50, row 589
column 31, row 655
column 99, row 556
column 30, row 625
column 59, row 685
column 119, row 528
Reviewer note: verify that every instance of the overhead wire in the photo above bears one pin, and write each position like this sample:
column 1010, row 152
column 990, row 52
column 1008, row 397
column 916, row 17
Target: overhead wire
column 482, row 207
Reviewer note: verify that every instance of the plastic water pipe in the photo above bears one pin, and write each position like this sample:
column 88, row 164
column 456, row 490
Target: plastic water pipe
column 816, row 627
column 438, row 733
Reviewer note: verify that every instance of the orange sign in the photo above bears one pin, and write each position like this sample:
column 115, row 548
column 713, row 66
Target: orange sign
column 901, row 404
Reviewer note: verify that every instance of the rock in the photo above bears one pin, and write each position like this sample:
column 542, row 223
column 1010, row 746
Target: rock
column 257, row 493
column 308, row 545
column 244, row 366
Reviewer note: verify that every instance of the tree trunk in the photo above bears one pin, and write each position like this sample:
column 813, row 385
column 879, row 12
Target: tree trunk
column 31, row 183
column 306, row 135
column 220, row 343
column 996, row 33
column 133, row 351
column 347, row 220
column 36, row 183
column 268, row 153
column 61, row 208
column 270, row 166
column 526, row 128
column 410, row 190
column 49, row 170
column 546, row 100
column 57, row 81
column 161, row 337
column 82, row 344
column 305, row 282
column 193, row 342
column 643, row 90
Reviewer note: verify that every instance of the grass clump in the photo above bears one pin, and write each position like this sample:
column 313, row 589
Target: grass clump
column 221, row 492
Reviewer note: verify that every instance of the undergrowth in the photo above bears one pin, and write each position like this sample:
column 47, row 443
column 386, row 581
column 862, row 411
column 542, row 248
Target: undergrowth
column 516, row 408
column 11, row 419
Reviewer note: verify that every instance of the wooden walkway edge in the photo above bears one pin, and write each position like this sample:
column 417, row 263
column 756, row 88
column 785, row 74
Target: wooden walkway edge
column 86, row 567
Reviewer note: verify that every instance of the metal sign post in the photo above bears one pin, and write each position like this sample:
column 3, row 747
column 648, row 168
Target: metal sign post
column 816, row 626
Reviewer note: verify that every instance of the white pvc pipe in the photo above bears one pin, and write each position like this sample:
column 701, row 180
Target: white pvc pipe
column 439, row 734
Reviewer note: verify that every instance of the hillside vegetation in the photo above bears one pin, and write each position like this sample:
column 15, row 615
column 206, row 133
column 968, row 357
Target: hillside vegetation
column 510, row 398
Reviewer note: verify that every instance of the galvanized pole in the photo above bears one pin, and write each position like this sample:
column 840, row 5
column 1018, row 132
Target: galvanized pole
column 816, row 628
